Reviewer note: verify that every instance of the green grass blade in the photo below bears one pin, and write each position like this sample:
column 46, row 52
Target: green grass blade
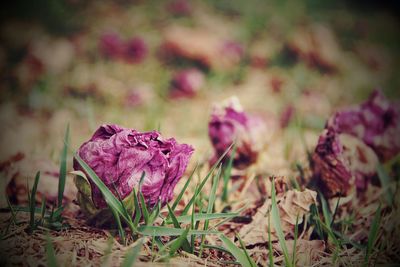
column 211, row 171
column 13, row 213
column 121, row 230
column 167, row 231
column 271, row 252
column 204, row 216
column 210, row 206
column 173, row 218
column 145, row 211
column 155, row 212
column 373, row 234
column 385, row 182
column 277, row 225
column 192, row 223
column 50, row 253
column 185, row 245
column 180, row 195
column 109, row 197
column 132, row 255
column 32, row 201
column 63, row 168
column 239, row 255
column 227, row 174
column 43, row 207
column 296, row 233
column 178, row 242
column 250, row 260
column 138, row 212
column 325, row 211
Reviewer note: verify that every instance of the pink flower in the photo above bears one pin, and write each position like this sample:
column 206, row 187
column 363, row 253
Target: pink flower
column 229, row 123
column 186, row 83
column 376, row 122
column 119, row 156
column 111, row 45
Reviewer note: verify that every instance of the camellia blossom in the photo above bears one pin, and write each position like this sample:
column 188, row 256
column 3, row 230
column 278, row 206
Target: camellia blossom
column 119, row 156
column 376, row 122
column 342, row 162
column 186, row 83
column 228, row 124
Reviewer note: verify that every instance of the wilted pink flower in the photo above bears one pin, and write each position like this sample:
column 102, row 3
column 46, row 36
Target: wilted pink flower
column 233, row 48
column 135, row 50
column 186, row 83
column 342, row 162
column 376, row 122
column 228, row 124
column 119, row 156
column 111, row 45
column 179, row 7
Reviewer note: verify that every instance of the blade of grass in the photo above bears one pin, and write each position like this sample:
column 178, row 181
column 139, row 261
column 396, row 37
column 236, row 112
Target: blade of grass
column 271, row 253
column 32, row 201
column 132, row 255
column 180, row 195
column 121, row 230
column 204, row 216
column 173, row 218
column 13, row 214
column 112, row 201
column 239, row 255
column 155, row 212
column 138, row 212
column 210, row 172
column 43, row 207
column 185, row 245
column 50, row 253
column 373, row 234
column 178, row 242
column 325, row 211
column 210, row 206
column 145, row 211
column 229, row 218
column 296, row 233
column 167, row 231
column 250, row 260
column 227, row 174
column 277, row 225
column 385, row 182
column 192, row 225
column 63, row 168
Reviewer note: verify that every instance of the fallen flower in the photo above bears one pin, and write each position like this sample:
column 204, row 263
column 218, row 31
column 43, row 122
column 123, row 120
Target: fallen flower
column 376, row 122
column 228, row 124
column 135, row 50
column 119, row 156
column 186, row 83
column 111, row 45
column 202, row 46
column 341, row 163
column 19, row 173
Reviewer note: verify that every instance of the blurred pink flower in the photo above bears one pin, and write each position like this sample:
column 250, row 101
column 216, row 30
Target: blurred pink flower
column 228, row 124
column 186, row 83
